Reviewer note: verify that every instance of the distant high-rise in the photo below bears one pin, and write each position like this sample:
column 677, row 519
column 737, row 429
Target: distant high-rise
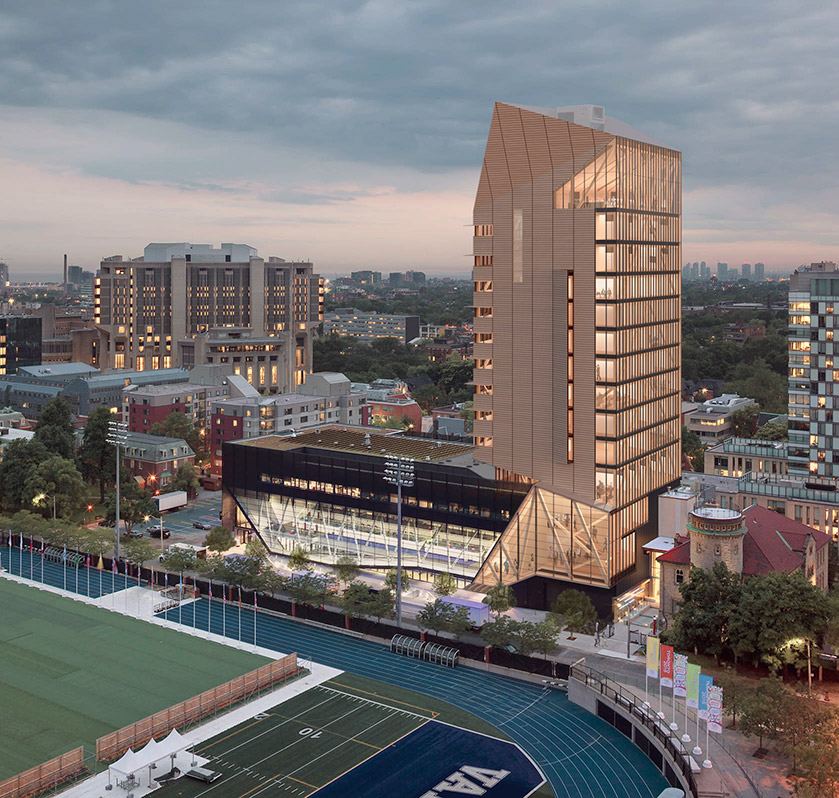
column 722, row 271
column 159, row 310
column 686, row 273
column 577, row 340
column 20, row 342
column 746, row 271
column 760, row 270
column 4, row 274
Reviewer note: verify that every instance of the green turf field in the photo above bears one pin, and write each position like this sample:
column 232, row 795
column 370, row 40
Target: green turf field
column 70, row 673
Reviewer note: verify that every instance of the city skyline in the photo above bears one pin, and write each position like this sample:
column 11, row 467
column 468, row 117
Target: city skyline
column 325, row 132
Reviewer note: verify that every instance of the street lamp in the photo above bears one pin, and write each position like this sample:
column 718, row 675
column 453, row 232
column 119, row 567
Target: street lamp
column 117, row 436
column 399, row 471
column 40, row 497
column 797, row 641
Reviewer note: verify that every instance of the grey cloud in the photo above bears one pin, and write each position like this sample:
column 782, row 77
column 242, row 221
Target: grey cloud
column 746, row 91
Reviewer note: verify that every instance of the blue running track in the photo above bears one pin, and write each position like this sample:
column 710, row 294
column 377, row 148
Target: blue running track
column 580, row 755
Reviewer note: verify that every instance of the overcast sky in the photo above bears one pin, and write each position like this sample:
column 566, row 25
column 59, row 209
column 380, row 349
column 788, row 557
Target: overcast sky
column 352, row 133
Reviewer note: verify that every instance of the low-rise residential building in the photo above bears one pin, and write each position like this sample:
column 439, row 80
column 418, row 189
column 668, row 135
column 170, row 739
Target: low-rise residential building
column 740, row 333
column 712, row 419
column 325, row 398
column 754, row 541
column 367, row 327
column 153, row 459
column 385, row 408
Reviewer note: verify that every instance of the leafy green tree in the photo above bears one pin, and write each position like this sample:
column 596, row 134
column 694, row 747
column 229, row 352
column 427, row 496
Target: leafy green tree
column 773, row 431
column 758, row 381
column 444, row 584
column 802, row 717
column 356, row 600
column 306, row 588
column 498, row 633
column 736, row 691
column 391, row 578
column 55, row 479
column 177, row 425
column 135, row 505
column 98, row 542
column 55, row 429
column 19, row 459
column 763, row 712
column 140, row 550
column 299, row 560
column 255, row 549
column 29, row 525
column 185, row 479
column 176, row 560
column 219, row 539
column 499, row 598
column 744, row 421
column 775, row 609
column 436, row 616
column 96, row 455
column 576, row 609
column 544, row 637
column 709, row 601
column 461, row 622
column 818, row 757
column 383, row 604
column 346, row 569
column 692, row 447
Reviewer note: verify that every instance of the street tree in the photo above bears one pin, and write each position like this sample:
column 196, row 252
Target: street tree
column 355, row 602
column 30, row 525
column 346, row 569
column 98, row 542
column 576, row 610
column 185, row 479
column 96, row 456
column 436, row 616
column 219, row 539
column 299, row 560
column 802, row 717
column 55, row 483
column 305, row 588
column 544, row 637
column 55, row 429
column 818, row 758
column 134, row 505
column 709, row 601
column 776, row 614
column 178, row 425
column 391, row 579
column 178, row 561
column 19, row 459
column 444, row 584
column 736, row 690
column 762, row 714
column 255, row 549
column 499, row 598
column 498, row 633
column 139, row 550
column 461, row 622
column 383, row 604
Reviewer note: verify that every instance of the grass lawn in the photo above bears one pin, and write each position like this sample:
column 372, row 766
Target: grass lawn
column 70, row 673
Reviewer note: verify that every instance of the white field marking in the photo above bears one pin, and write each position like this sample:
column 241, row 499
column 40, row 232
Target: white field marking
column 278, row 751
column 325, row 753
column 375, row 703
column 521, row 711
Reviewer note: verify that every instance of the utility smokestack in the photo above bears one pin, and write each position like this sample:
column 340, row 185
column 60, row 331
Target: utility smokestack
column 65, row 273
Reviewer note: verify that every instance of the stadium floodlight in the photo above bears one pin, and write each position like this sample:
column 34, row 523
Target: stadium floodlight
column 117, row 436
column 399, row 471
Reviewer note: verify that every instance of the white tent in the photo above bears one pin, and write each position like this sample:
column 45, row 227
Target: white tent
column 131, row 762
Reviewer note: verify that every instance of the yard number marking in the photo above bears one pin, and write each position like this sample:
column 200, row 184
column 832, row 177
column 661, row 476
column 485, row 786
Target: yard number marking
column 307, row 732
column 460, row 783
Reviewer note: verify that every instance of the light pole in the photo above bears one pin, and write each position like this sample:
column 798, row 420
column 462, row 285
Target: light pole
column 117, row 435
column 40, row 497
column 399, row 471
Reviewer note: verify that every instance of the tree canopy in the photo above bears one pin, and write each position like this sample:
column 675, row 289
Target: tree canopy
column 96, row 456
column 55, row 429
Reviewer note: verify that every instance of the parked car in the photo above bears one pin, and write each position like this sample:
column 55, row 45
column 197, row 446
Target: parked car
column 103, row 522
column 156, row 532
column 201, row 525
column 134, row 533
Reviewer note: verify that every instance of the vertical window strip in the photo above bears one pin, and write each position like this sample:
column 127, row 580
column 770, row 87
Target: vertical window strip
column 570, row 367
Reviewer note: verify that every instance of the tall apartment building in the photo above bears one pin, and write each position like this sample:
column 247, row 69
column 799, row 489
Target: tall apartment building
column 722, row 271
column 746, row 271
column 813, row 320
column 150, row 309
column 4, row 274
column 760, row 271
column 577, row 345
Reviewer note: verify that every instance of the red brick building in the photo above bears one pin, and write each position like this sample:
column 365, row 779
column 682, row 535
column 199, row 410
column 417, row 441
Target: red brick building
column 153, row 459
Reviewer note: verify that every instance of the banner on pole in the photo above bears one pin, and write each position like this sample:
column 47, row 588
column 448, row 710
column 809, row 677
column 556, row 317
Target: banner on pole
column 693, row 686
column 666, row 666
column 680, row 668
column 704, row 683
column 715, row 709
column 652, row 657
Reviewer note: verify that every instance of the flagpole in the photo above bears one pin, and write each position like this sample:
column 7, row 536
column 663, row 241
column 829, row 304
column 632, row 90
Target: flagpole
column 254, row 618
column 223, row 610
column 239, row 596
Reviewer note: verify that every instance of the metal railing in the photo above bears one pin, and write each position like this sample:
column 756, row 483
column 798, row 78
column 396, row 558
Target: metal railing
column 679, row 758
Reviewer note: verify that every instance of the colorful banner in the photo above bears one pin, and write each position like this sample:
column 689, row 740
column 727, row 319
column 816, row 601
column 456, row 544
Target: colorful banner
column 652, row 657
column 666, row 666
column 693, row 685
column 680, row 673
column 715, row 709
column 704, row 683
